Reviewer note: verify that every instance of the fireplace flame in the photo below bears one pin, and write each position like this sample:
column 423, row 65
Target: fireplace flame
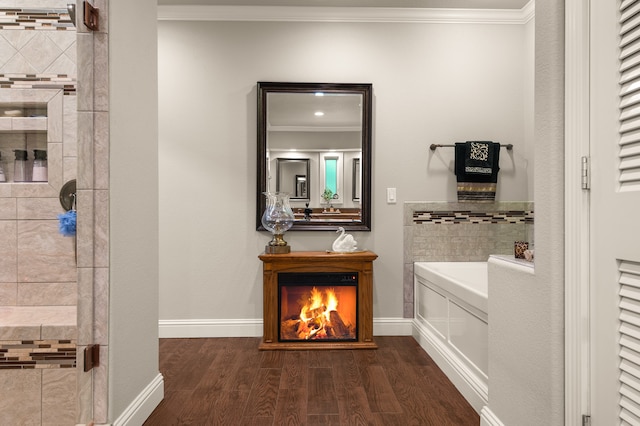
column 316, row 313
column 318, row 318
column 319, row 304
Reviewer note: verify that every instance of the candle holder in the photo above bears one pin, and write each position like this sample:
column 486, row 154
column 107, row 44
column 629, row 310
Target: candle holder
column 277, row 219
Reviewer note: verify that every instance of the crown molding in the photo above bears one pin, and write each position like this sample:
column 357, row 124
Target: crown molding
column 346, row 14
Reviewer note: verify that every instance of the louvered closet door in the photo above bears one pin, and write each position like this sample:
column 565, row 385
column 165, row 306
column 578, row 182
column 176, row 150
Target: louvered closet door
column 615, row 212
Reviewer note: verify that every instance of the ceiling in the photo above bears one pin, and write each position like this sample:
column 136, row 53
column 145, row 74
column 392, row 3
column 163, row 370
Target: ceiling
column 300, row 110
column 451, row 4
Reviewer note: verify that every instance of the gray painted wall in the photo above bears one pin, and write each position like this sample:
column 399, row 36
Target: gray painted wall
column 424, row 93
column 133, row 338
column 433, row 83
column 526, row 310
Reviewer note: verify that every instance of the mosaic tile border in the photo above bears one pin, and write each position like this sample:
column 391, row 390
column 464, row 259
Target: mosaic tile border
column 37, row 354
column 35, row 19
column 39, row 81
column 465, row 216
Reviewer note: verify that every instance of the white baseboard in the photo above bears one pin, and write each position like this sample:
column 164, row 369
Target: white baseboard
column 392, row 326
column 473, row 388
column 253, row 327
column 144, row 404
column 210, row 328
column 488, row 418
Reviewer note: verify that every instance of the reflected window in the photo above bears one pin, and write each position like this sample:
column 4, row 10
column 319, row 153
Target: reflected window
column 331, row 174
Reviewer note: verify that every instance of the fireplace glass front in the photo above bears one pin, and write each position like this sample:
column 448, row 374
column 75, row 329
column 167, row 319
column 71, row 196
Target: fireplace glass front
column 318, row 306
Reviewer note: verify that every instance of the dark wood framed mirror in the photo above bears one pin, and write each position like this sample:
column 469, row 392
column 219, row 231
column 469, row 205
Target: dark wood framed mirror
column 328, row 124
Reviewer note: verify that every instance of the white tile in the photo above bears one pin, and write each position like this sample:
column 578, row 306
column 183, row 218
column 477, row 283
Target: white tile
column 38, row 208
column 40, row 52
column 20, row 397
column 18, row 65
column 6, row 50
column 8, row 251
column 8, row 294
column 63, row 64
column 47, row 294
column 62, row 39
column 59, row 396
column 8, row 209
column 17, row 39
column 29, row 316
column 43, row 254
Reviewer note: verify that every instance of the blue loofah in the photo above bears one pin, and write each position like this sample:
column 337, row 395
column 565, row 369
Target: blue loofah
column 67, row 224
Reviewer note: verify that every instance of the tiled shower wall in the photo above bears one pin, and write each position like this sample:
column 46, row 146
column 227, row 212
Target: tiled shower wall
column 93, row 213
column 37, row 264
column 460, row 232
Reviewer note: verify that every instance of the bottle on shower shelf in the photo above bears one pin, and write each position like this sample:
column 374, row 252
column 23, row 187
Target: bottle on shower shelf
column 40, row 166
column 3, row 178
column 20, row 170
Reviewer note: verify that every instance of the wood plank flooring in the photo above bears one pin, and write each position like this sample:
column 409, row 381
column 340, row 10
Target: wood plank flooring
column 228, row 381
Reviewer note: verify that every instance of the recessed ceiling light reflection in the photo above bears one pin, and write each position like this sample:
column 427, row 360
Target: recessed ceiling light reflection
column 318, row 113
column 319, row 94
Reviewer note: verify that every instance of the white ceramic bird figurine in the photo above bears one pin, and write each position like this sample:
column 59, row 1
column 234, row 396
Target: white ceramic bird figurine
column 345, row 243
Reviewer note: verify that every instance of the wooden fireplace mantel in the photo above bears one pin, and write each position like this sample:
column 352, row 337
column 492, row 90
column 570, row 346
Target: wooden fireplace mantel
column 317, row 261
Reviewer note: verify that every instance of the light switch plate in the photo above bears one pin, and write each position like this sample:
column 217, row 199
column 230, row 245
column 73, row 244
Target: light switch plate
column 391, row 195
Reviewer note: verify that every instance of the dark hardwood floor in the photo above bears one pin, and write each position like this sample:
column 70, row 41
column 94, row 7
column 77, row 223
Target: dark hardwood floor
column 228, row 381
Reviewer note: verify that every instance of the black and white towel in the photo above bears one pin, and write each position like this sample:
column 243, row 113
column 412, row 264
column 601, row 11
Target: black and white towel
column 476, row 167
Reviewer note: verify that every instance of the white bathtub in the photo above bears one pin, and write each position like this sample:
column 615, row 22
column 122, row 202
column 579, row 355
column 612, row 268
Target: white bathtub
column 451, row 322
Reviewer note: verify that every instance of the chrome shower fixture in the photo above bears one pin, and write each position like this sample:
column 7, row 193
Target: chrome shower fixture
column 71, row 8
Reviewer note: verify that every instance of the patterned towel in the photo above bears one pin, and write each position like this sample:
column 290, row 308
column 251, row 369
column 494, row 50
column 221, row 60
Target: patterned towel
column 476, row 167
column 478, row 157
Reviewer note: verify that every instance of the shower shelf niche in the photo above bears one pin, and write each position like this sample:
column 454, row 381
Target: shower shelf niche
column 23, row 124
column 31, row 119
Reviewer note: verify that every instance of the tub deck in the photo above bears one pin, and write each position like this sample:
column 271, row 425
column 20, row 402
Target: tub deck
column 468, row 281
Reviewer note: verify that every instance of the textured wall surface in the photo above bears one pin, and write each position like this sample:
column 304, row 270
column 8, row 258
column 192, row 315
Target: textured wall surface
column 526, row 308
column 446, row 90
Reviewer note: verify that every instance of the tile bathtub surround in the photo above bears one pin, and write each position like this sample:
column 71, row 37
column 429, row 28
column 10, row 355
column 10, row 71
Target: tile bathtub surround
column 440, row 217
column 460, row 232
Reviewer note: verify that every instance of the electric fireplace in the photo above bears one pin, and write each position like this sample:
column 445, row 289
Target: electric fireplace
column 318, row 300
column 318, row 306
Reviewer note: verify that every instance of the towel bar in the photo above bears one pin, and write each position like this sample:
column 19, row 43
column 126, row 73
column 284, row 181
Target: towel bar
column 434, row 146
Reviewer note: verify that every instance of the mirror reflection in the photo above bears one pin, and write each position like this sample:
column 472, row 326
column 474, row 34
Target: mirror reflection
column 292, row 176
column 357, row 180
column 314, row 142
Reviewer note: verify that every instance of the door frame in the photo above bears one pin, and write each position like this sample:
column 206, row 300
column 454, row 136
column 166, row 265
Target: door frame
column 577, row 204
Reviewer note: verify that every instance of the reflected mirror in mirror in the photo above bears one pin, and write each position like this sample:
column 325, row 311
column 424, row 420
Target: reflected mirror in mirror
column 292, row 176
column 310, row 138
column 357, row 181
